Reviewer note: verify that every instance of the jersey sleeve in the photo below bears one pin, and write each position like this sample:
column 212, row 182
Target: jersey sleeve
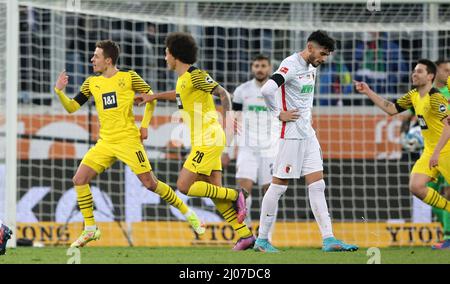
column 237, row 96
column 448, row 84
column 84, row 89
column 202, row 81
column 138, row 84
column 403, row 103
column 286, row 70
column 439, row 105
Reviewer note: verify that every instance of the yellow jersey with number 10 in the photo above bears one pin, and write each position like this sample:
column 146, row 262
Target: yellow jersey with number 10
column 430, row 110
column 114, row 99
column 197, row 108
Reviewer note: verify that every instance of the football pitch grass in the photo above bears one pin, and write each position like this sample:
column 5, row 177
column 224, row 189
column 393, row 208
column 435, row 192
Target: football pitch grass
column 219, row 255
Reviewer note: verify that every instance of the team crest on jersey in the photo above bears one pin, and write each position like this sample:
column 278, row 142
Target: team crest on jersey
column 288, row 169
column 310, row 76
column 284, row 70
column 209, row 79
column 442, row 108
column 121, row 83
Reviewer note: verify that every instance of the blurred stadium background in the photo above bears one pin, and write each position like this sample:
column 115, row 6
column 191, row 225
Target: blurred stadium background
column 366, row 170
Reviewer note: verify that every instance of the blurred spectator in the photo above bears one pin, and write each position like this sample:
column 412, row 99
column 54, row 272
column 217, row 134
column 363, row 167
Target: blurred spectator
column 151, row 33
column 335, row 79
column 379, row 62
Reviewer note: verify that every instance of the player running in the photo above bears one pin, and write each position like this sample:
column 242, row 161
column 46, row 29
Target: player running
column 431, row 109
column 113, row 91
column 201, row 175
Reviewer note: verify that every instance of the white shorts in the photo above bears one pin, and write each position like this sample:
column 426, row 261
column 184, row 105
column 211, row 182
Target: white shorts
column 254, row 166
column 298, row 158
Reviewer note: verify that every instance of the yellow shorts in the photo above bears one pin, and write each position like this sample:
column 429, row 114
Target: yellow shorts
column 204, row 159
column 104, row 154
column 421, row 166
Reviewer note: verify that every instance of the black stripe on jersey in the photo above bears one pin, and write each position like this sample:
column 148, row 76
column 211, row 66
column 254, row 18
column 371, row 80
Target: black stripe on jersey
column 197, row 81
column 80, row 98
column 438, row 103
column 398, row 107
column 237, row 107
column 278, row 78
column 212, row 90
column 404, row 103
column 143, row 89
column 192, row 68
column 433, row 91
column 138, row 83
column 202, row 85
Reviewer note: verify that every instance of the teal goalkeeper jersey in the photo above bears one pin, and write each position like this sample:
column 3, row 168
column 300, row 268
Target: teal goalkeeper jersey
column 446, row 93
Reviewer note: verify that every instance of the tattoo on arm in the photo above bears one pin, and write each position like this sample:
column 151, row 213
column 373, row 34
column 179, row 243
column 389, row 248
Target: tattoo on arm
column 387, row 103
column 224, row 97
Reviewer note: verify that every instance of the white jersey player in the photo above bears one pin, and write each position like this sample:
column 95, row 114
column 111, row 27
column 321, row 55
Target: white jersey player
column 299, row 152
column 257, row 141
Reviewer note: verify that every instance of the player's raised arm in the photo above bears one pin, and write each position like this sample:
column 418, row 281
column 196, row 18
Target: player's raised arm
column 71, row 105
column 387, row 106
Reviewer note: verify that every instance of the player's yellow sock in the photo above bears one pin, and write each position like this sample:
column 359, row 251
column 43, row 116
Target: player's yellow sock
column 167, row 193
column 204, row 189
column 434, row 199
column 86, row 204
column 226, row 209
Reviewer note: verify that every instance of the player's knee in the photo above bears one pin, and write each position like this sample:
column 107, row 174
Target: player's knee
column 317, row 185
column 416, row 187
column 80, row 180
column 149, row 183
column 182, row 187
column 446, row 192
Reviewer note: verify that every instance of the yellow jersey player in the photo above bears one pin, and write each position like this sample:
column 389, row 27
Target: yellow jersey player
column 113, row 91
column 201, row 175
column 431, row 110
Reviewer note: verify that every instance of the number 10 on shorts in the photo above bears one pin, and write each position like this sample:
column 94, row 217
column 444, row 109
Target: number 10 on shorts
column 140, row 156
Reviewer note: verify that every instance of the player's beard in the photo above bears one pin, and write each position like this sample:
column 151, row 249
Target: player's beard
column 261, row 78
column 315, row 63
column 312, row 61
column 416, row 84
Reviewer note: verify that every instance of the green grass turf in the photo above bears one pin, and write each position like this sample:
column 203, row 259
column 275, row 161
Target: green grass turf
column 219, row 255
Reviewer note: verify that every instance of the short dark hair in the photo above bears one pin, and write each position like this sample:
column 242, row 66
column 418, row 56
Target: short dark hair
column 182, row 46
column 431, row 67
column 441, row 61
column 259, row 57
column 323, row 39
column 110, row 49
